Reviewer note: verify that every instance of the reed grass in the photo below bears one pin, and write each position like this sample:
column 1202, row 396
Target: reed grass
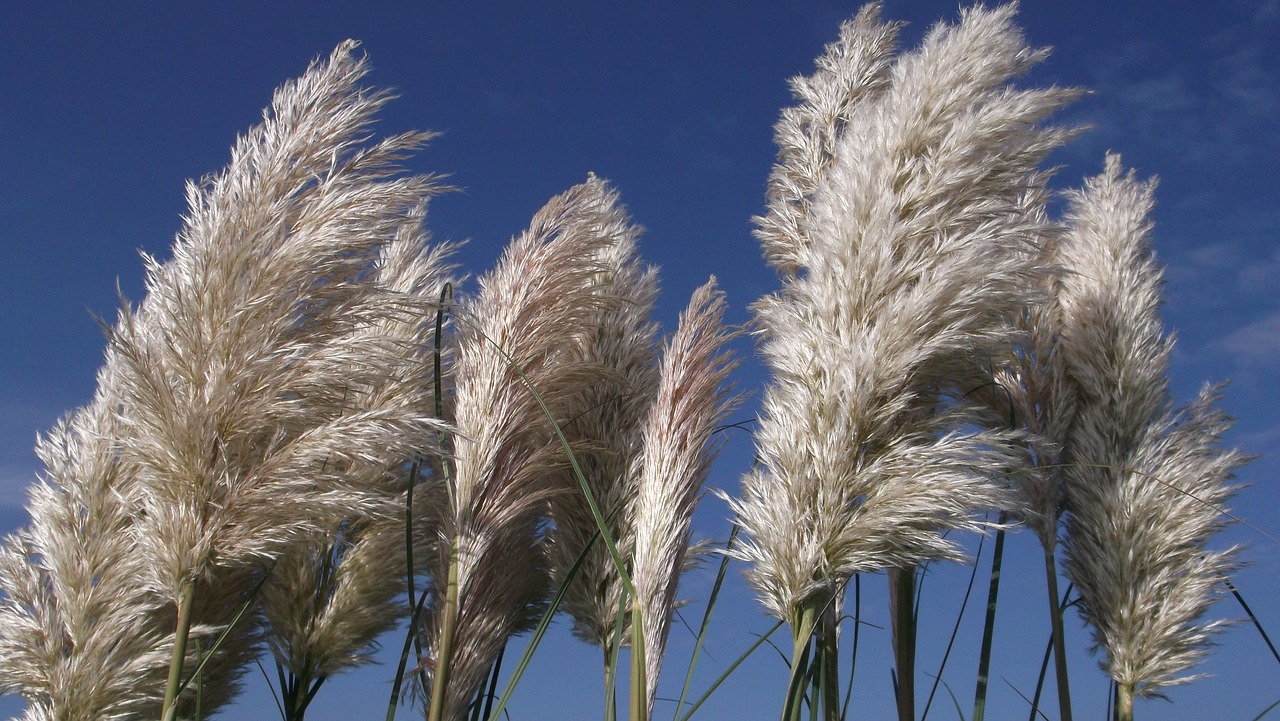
column 300, row 438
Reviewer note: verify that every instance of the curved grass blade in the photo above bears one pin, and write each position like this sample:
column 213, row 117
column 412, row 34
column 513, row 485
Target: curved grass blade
column 706, row 618
column 541, row 630
column 955, row 630
column 729, row 671
column 1256, row 623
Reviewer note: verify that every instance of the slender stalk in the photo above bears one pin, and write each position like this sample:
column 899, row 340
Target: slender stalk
column 1059, row 640
column 829, row 656
column 1124, row 702
column 180, row 633
column 444, row 653
column 989, row 628
column 902, row 583
column 802, row 631
column 639, row 684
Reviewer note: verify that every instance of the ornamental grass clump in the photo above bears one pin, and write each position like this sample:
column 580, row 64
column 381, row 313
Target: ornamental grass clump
column 1146, row 483
column 903, row 218
column 245, row 406
column 300, row 439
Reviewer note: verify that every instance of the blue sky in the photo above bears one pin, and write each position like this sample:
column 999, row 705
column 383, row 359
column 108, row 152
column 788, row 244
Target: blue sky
column 109, row 108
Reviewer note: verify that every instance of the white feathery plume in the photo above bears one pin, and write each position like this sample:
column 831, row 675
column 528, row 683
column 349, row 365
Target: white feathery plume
column 675, row 456
column 237, row 366
column 1030, row 392
column 511, row 342
column 80, row 638
column 1146, row 484
column 604, row 423
column 328, row 599
column 916, row 246
column 222, row 431
column 848, row 72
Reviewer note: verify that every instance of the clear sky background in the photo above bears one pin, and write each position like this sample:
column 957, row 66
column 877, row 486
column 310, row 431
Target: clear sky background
column 109, row 107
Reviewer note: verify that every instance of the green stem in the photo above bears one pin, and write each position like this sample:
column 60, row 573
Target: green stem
column 829, row 644
column 1059, row 638
column 639, row 685
column 1124, row 702
column 989, row 627
column 444, row 647
column 180, row 634
column 802, row 629
column 902, row 583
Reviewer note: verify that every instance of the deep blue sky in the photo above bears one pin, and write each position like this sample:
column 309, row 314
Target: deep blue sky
column 108, row 108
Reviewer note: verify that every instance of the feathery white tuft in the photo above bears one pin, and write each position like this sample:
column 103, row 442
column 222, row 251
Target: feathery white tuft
column 916, row 245
column 1146, row 484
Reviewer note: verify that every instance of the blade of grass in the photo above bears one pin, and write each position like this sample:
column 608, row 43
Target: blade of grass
column 857, row 628
column 1266, row 711
column 729, row 671
column 955, row 630
column 1256, row 623
column 706, row 618
column 541, row 630
column 989, row 627
column 217, row 643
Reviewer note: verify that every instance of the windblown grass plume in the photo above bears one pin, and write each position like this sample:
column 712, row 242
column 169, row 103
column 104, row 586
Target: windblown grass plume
column 916, row 246
column 80, row 637
column 675, row 457
column 604, row 421
column 513, row 338
column 1146, row 484
column 225, row 426
column 328, row 599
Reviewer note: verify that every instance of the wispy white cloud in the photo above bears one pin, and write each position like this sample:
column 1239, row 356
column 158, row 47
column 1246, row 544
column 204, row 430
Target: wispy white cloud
column 15, row 478
column 1255, row 346
column 1215, row 109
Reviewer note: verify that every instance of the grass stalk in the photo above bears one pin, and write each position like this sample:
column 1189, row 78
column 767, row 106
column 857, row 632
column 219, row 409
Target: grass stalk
column 827, row 644
column 1059, row 638
column 444, row 651
column 902, row 583
column 802, row 630
column 1124, row 702
column 180, row 633
column 989, row 627
column 639, row 685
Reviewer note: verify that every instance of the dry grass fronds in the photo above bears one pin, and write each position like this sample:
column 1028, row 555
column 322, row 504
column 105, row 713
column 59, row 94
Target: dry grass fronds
column 676, row 451
column 1146, row 484
column 919, row 244
column 511, row 341
column 851, row 70
column 237, row 368
column 80, row 638
column 1029, row 391
column 604, row 419
column 329, row 598
column 225, row 427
